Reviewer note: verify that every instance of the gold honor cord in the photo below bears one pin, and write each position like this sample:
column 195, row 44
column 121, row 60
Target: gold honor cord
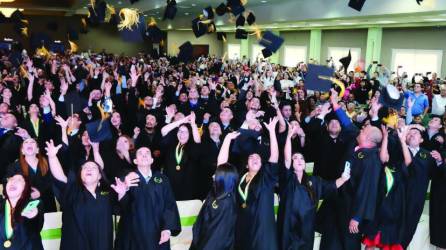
column 179, row 151
column 244, row 193
column 337, row 82
column 8, row 225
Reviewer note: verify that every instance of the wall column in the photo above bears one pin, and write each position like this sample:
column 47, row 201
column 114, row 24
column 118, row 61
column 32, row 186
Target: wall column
column 373, row 50
column 315, row 45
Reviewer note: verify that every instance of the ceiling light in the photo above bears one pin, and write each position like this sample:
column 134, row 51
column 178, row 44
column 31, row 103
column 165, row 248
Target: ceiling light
column 263, row 1
column 145, row 15
column 347, row 23
column 8, row 11
column 315, row 24
column 186, row 13
column 193, row 5
column 385, row 21
column 435, row 19
column 169, row 26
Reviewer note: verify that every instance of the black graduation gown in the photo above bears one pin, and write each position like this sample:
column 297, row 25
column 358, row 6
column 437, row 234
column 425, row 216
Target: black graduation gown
column 214, row 228
column 256, row 226
column 208, row 163
column 391, row 209
column 297, row 210
column 437, row 207
column 184, row 182
column 26, row 234
column 147, row 210
column 86, row 221
column 42, row 183
column 420, row 171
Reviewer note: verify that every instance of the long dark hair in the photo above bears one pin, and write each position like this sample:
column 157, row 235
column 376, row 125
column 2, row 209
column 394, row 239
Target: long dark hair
column 306, row 182
column 21, row 203
column 225, row 179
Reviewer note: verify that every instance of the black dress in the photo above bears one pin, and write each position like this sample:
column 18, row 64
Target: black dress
column 256, row 226
column 86, row 221
column 42, row 183
column 26, row 235
column 147, row 210
column 215, row 225
column 297, row 210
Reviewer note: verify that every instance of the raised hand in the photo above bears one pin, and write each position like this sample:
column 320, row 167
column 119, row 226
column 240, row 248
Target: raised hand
column 61, row 122
column 402, row 133
column 120, row 187
column 165, row 236
column 30, row 213
column 325, row 109
column 271, row 126
column 22, row 133
column 232, row 135
column 131, row 180
column 384, row 131
column 51, row 149
column 437, row 156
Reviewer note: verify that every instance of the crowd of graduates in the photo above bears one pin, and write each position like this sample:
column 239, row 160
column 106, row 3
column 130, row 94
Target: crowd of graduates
column 97, row 135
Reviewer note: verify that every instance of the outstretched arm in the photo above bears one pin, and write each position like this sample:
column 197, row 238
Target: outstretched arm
column 274, row 148
column 223, row 155
column 287, row 150
column 54, row 163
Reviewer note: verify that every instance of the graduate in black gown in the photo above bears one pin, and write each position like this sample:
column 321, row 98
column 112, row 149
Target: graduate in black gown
column 215, row 225
column 34, row 166
column 387, row 229
column 299, row 199
column 149, row 213
column 181, row 157
column 256, row 226
column 86, row 204
column 422, row 165
column 20, row 228
column 118, row 158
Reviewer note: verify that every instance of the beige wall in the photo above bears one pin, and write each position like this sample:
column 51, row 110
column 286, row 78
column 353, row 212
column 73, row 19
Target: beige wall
column 176, row 38
column 104, row 36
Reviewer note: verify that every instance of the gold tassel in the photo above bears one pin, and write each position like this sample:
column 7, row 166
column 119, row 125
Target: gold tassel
column 130, row 18
column 73, row 47
column 92, row 3
column 244, row 2
column 24, row 31
column 24, row 21
column 23, row 72
column 152, row 22
column 109, row 12
column 257, row 32
column 43, row 52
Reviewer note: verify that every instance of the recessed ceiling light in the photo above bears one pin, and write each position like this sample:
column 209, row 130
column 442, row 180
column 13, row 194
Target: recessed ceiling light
column 85, row 7
column 186, row 13
column 385, row 21
column 263, row 1
column 347, row 23
column 315, row 24
column 169, row 26
column 435, row 19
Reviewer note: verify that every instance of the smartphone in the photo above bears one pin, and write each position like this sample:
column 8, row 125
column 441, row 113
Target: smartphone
column 31, row 205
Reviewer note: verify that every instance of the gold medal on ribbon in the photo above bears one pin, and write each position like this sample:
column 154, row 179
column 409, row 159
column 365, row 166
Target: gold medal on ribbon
column 178, row 168
column 7, row 244
column 214, row 204
column 179, row 155
column 244, row 205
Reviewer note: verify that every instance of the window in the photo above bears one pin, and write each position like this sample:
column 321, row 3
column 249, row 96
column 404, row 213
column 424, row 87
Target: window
column 256, row 52
column 233, row 51
column 293, row 55
column 337, row 53
column 416, row 61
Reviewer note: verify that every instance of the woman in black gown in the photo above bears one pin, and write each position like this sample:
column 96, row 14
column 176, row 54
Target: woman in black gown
column 299, row 199
column 86, row 205
column 215, row 225
column 23, row 229
column 34, row 166
column 118, row 158
column 255, row 225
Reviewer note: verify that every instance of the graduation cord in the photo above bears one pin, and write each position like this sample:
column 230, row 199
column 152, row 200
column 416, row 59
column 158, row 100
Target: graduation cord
column 244, row 193
column 179, row 151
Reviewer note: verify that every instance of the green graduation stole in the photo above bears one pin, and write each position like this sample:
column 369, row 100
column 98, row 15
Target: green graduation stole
column 8, row 225
column 389, row 178
column 179, row 155
column 244, row 193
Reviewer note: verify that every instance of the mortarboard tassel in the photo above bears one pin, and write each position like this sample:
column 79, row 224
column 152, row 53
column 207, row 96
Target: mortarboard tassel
column 24, row 31
column 73, row 47
column 257, row 32
column 152, row 22
column 337, row 82
column 109, row 12
column 130, row 17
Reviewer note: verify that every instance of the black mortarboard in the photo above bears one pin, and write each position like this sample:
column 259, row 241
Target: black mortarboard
column 266, row 53
column 312, row 80
column 72, row 34
column 17, row 16
column 135, row 35
column 208, row 12
column 154, row 33
column 271, row 41
column 240, row 21
column 58, row 47
column 3, row 18
column 356, row 4
column 251, row 19
column 391, row 97
column 99, row 130
column 221, row 36
column 246, row 143
column 171, row 10
column 97, row 14
column 133, row 1
column 221, row 9
column 52, row 25
column 346, row 61
column 241, row 34
column 236, row 7
column 186, row 52
column 37, row 40
column 199, row 28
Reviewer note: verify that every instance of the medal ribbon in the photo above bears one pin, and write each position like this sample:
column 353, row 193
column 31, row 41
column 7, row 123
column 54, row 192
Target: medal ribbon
column 389, row 179
column 179, row 153
column 8, row 221
column 244, row 194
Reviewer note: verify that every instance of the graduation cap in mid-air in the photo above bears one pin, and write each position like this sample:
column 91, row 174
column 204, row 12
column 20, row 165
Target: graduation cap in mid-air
column 208, row 12
column 356, row 4
column 201, row 27
column 240, row 21
column 236, row 7
column 97, row 12
column 241, row 34
column 251, row 18
column 271, row 41
column 99, row 130
column 221, row 36
column 171, row 10
column 17, row 16
column 135, row 34
column 313, row 80
column 186, row 52
column 3, row 18
column 345, row 61
column 266, row 53
column 154, row 33
column 221, row 9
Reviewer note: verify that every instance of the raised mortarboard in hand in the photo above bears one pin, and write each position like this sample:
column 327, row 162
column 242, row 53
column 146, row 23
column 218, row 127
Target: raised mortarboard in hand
column 246, row 143
column 241, row 34
column 221, row 9
column 356, row 4
column 208, row 12
column 314, row 82
column 240, row 21
column 345, row 61
column 171, row 10
column 99, row 130
column 251, row 19
column 186, row 52
column 271, row 41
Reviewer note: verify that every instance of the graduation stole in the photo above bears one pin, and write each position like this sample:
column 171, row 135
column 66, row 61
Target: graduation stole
column 244, row 193
column 35, row 126
column 8, row 224
column 179, row 151
column 389, row 179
